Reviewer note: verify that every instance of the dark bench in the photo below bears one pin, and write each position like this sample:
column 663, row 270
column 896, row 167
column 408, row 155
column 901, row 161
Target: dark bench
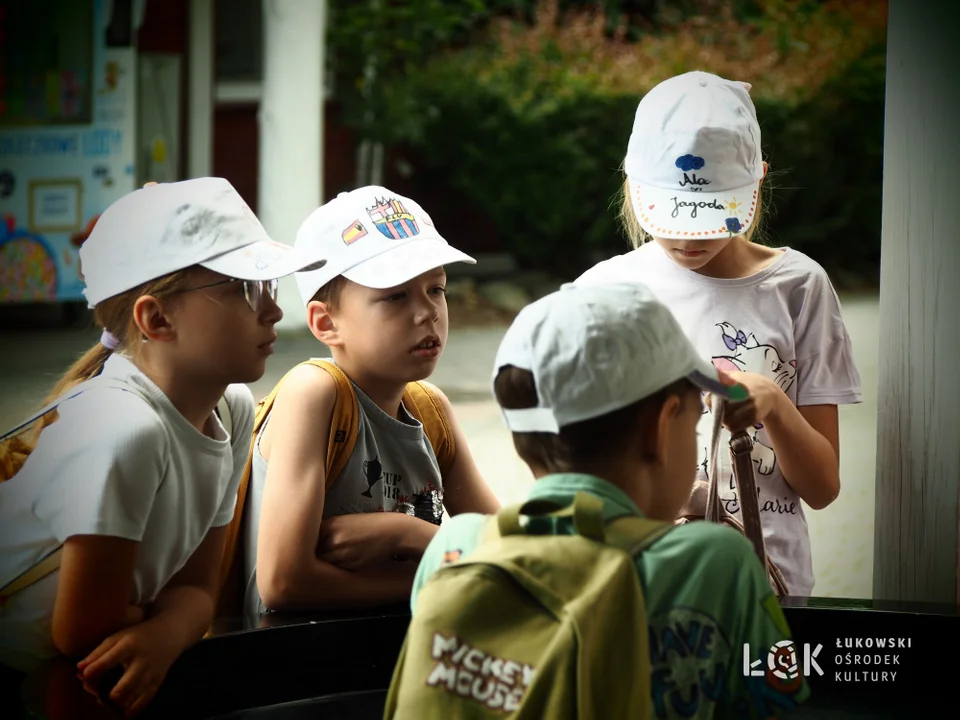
column 339, row 665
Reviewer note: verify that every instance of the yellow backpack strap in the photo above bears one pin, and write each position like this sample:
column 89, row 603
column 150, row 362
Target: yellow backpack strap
column 230, row 565
column 345, row 421
column 421, row 400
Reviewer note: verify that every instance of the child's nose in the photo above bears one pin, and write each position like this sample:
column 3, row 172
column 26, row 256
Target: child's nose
column 271, row 312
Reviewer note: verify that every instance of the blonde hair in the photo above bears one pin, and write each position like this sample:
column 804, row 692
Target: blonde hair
column 637, row 236
column 115, row 315
column 329, row 293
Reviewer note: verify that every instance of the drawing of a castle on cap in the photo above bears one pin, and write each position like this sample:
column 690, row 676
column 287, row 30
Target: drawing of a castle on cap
column 393, row 219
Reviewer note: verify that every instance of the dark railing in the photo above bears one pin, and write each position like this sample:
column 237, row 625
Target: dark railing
column 339, row 665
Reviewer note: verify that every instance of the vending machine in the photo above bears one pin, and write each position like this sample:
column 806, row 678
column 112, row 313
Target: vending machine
column 68, row 103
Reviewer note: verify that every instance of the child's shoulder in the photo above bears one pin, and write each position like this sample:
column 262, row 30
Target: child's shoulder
column 116, row 413
column 301, row 406
column 242, row 407
column 311, row 382
column 709, row 551
column 801, row 266
column 715, row 537
column 239, row 396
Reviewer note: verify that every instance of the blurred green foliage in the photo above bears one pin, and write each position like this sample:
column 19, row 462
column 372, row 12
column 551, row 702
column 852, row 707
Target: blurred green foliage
column 525, row 109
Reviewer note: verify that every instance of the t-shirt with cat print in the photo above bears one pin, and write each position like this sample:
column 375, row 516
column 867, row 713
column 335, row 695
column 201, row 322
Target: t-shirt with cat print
column 783, row 322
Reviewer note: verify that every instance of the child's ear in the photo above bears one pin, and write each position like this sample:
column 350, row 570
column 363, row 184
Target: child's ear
column 149, row 315
column 669, row 413
column 322, row 324
column 654, row 430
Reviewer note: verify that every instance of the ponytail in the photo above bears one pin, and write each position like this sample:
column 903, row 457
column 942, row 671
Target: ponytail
column 15, row 450
column 115, row 316
column 88, row 365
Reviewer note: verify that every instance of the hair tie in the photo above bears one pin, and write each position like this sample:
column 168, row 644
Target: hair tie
column 109, row 340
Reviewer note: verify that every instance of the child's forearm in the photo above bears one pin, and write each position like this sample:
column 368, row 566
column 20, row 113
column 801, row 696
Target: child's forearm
column 186, row 610
column 409, row 534
column 807, row 460
column 323, row 585
column 413, row 535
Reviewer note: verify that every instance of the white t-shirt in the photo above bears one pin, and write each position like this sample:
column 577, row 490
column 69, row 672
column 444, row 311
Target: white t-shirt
column 783, row 322
column 118, row 463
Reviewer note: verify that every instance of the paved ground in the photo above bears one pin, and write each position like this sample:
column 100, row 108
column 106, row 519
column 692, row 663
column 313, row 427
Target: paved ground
column 842, row 535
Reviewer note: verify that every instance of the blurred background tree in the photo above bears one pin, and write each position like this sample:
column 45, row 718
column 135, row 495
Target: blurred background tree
column 520, row 111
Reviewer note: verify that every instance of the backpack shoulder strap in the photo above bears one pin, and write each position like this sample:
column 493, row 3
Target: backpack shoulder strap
column 421, row 400
column 634, row 534
column 344, row 424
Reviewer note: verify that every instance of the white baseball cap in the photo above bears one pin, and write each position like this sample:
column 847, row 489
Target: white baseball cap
column 694, row 162
column 373, row 237
column 597, row 348
column 163, row 228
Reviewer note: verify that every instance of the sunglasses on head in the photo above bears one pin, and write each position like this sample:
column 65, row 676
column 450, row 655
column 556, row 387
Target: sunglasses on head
column 253, row 290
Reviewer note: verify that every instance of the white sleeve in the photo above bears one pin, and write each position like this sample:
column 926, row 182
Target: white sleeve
column 826, row 371
column 242, row 407
column 100, row 465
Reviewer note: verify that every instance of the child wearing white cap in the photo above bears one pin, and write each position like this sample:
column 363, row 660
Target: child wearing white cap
column 768, row 316
column 113, row 527
column 601, row 390
column 380, row 306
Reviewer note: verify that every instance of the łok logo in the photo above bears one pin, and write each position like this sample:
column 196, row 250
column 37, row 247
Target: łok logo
column 782, row 661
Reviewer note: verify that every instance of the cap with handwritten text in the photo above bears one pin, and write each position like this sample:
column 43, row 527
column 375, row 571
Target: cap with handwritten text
column 693, row 161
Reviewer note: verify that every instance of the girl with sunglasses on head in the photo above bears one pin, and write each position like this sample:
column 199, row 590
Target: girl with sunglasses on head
column 111, row 531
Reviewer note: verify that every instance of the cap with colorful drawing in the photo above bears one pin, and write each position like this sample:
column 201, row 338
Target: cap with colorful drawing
column 373, row 237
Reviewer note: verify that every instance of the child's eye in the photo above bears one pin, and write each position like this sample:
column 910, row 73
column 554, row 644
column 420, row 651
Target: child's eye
column 395, row 297
column 439, row 290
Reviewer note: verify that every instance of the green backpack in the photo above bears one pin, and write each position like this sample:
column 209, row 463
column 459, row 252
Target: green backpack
column 533, row 625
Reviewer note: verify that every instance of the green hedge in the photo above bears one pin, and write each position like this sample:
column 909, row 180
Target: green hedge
column 532, row 126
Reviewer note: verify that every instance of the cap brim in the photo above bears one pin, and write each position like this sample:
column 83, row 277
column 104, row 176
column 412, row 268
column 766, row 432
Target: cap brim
column 405, row 262
column 706, row 377
column 263, row 260
column 676, row 215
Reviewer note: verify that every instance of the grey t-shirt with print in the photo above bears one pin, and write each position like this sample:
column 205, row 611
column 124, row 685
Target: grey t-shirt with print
column 783, row 322
column 393, row 468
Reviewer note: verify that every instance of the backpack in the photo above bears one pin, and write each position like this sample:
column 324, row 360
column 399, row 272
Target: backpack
column 420, row 400
column 533, row 626
column 17, row 443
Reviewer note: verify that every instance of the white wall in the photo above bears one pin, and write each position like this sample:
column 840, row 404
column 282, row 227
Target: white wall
column 291, row 127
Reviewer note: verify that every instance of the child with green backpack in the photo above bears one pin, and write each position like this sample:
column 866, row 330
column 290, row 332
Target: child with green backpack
column 587, row 601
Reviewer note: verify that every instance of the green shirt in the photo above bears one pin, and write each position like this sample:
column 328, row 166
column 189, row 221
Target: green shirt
column 707, row 596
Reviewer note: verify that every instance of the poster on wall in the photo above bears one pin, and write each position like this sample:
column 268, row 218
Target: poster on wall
column 67, row 121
